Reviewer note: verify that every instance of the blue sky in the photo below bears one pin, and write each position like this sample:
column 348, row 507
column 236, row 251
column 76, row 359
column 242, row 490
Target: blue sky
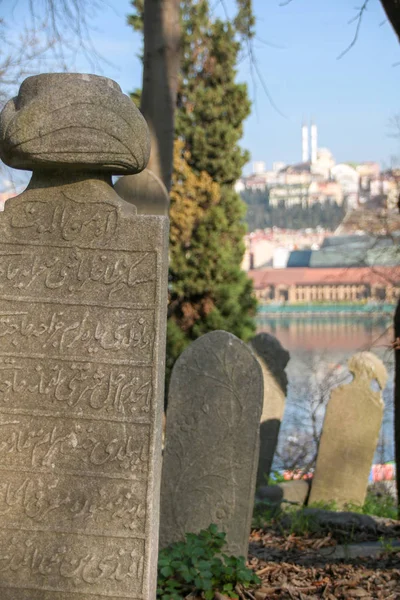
column 351, row 100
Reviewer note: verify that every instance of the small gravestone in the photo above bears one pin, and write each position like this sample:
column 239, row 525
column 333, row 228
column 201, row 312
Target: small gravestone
column 82, row 326
column 350, row 434
column 146, row 191
column 294, row 492
column 211, row 453
column 273, row 359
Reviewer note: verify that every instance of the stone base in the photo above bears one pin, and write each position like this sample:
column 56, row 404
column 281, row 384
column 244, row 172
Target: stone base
column 292, row 492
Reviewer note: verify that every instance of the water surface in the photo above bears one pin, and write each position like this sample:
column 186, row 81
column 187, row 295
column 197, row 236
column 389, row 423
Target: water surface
column 319, row 346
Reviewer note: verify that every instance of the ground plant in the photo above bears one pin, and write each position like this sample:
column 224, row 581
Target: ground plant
column 197, row 566
column 267, row 513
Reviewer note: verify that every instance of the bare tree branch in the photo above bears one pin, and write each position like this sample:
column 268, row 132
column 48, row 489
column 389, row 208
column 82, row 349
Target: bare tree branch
column 358, row 19
column 51, row 36
column 255, row 72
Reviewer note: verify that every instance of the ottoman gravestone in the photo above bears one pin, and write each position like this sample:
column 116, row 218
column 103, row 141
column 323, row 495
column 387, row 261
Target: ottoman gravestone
column 350, row 434
column 211, row 449
column 82, row 327
column 273, row 359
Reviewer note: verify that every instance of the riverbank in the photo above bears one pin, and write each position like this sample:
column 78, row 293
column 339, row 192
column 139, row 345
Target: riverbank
column 321, row 309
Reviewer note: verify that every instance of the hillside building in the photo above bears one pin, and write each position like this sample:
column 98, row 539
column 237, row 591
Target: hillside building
column 305, row 284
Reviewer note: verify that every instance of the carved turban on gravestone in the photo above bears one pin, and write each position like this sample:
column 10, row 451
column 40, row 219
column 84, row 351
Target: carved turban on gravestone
column 57, row 119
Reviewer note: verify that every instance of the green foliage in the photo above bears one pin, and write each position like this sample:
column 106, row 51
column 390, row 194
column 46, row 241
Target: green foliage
column 196, row 566
column 265, row 513
column 207, row 289
column 275, row 477
column 245, row 20
column 387, row 545
column 212, row 106
column 136, row 19
column 382, row 505
column 260, row 214
column 301, row 523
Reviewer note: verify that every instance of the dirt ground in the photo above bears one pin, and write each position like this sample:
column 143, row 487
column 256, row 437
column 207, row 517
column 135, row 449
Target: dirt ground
column 297, row 567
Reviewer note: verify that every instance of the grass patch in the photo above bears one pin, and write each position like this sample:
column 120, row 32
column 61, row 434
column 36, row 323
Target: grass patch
column 267, row 514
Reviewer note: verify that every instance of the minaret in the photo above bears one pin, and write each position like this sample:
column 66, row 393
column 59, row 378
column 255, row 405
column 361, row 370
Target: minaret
column 304, row 143
column 314, row 143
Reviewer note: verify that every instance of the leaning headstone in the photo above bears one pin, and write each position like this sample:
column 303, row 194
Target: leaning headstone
column 211, row 452
column 350, row 434
column 146, row 191
column 273, row 359
column 82, row 325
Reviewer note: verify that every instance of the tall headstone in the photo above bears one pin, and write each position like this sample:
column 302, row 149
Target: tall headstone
column 211, row 452
column 273, row 359
column 350, row 434
column 146, row 191
column 82, row 327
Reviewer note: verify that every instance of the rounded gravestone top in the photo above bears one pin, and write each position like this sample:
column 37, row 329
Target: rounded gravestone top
column 146, row 191
column 76, row 120
column 370, row 365
column 273, row 354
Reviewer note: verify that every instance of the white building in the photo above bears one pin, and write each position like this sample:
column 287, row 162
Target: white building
column 349, row 180
column 323, row 163
column 258, row 167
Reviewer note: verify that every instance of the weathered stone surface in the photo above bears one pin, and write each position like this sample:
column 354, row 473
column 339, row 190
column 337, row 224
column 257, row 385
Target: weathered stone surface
column 273, row 359
column 350, row 434
column 146, row 191
column 73, row 120
column 211, row 451
column 293, row 492
column 351, row 551
column 82, row 326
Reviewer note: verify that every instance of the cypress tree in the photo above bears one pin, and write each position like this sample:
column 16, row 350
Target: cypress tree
column 207, row 288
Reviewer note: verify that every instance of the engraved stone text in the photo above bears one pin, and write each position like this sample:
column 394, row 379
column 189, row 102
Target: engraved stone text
column 111, row 449
column 38, row 329
column 47, row 503
column 70, row 563
column 76, row 273
column 103, row 391
column 67, row 221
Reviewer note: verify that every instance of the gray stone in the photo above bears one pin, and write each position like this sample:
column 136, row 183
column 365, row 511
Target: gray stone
column 350, row 435
column 83, row 285
column 292, row 492
column 354, row 523
column 273, row 359
column 211, row 452
column 348, row 551
column 74, row 120
column 146, row 191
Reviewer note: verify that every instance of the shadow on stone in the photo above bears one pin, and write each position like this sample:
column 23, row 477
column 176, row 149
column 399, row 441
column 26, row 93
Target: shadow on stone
column 146, row 191
column 273, row 359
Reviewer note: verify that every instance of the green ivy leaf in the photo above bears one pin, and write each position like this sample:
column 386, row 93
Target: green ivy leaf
column 197, row 564
column 166, row 571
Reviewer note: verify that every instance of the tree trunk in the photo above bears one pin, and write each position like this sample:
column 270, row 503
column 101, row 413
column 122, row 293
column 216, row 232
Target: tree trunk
column 160, row 81
column 392, row 10
column 397, row 402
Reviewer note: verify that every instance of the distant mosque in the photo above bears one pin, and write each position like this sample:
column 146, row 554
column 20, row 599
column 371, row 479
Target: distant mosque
column 320, row 160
